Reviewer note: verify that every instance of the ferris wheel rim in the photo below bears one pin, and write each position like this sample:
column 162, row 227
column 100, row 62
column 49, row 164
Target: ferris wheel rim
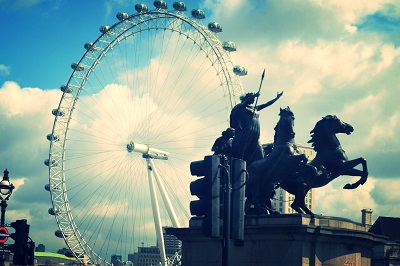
column 59, row 197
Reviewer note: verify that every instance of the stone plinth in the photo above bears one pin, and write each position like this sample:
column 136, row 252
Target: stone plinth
column 287, row 239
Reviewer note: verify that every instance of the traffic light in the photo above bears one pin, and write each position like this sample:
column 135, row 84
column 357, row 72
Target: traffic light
column 29, row 250
column 238, row 177
column 20, row 237
column 207, row 189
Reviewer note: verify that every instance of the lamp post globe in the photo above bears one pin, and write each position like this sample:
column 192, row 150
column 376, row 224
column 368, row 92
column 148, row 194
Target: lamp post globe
column 6, row 187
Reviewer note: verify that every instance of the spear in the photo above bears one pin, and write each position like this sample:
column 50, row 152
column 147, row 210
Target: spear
column 259, row 89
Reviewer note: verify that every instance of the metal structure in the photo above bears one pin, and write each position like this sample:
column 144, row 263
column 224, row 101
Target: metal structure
column 148, row 96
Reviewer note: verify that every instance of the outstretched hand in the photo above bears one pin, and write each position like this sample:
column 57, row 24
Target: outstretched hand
column 279, row 94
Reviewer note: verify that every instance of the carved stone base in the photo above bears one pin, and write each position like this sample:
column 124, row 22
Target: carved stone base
column 286, row 239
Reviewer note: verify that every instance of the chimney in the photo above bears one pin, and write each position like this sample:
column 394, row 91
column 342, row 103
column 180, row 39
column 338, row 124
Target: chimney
column 366, row 218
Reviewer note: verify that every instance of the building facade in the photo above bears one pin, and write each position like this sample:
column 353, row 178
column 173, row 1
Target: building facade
column 147, row 256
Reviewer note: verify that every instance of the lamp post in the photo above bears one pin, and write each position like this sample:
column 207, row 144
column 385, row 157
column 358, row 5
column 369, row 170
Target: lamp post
column 6, row 189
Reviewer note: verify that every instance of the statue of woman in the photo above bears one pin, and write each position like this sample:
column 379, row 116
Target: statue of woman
column 244, row 119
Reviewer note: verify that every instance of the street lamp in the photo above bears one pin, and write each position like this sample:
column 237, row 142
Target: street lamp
column 6, row 189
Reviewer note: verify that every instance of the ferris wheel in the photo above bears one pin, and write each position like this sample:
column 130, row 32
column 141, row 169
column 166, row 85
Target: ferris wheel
column 148, row 96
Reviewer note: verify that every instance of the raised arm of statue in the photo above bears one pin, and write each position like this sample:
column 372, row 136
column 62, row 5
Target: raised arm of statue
column 262, row 106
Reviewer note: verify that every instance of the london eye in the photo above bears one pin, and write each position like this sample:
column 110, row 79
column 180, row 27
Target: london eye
column 148, row 96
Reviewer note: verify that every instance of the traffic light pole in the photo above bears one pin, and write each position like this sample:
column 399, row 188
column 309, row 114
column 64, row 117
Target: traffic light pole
column 227, row 215
column 233, row 217
column 222, row 182
column 3, row 205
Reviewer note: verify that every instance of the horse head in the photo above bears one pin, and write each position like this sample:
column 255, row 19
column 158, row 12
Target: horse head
column 284, row 129
column 337, row 125
column 324, row 132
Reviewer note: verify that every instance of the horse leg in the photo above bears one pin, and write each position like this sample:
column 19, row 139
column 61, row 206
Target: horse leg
column 299, row 204
column 304, row 206
column 296, row 204
column 349, row 170
column 355, row 172
column 268, row 204
column 252, row 204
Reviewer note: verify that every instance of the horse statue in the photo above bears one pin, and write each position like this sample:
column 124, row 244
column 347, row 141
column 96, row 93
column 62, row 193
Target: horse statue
column 279, row 164
column 329, row 163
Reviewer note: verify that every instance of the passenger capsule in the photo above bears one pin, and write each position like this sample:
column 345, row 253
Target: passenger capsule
column 52, row 211
column 47, row 162
column 179, row 6
column 214, row 27
column 160, row 4
column 104, row 29
column 53, row 188
column 57, row 112
column 89, row 46
column 141, row 8
column 240, row 71
column 229, row 46
column 122, row 16
column 198, row 13
column 77, row 67
column 51, row 137
column 66, row 88
column 58, row 233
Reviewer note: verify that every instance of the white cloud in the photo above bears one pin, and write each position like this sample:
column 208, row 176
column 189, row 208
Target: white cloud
column 333, row 200
column 388, row 55
column 15, row 101
column 4, row 70
column 387, row 129
column 352, row 11
column 25, row 115
column 350, row 28
column 325, row 67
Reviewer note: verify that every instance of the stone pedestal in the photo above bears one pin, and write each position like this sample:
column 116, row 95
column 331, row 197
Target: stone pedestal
column 286, row 239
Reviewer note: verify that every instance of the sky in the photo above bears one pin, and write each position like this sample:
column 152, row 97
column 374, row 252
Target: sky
column 329, row 57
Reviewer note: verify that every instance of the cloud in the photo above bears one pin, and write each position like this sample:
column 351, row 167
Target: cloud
column 381, row 195
column 384, row 22
column 386, row 195
column 26, row 118
column 325, row 64
column 333, row 200
column 4, row 70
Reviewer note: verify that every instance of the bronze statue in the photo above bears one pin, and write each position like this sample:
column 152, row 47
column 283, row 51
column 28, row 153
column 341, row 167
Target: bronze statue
column 284, row 160
column 282, row 164
column 330, row 162
column 223, row 144
column 244, row 119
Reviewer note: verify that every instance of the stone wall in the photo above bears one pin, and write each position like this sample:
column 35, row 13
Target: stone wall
column 288, row 239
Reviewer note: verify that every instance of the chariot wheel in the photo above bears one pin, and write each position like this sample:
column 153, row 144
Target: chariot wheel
column 148, row 96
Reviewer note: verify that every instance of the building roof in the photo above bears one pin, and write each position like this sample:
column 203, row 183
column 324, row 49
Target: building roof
column 53, row 255
column 387, row 226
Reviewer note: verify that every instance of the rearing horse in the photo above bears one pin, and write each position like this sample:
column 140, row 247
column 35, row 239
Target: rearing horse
column 330, row 162
column 283, row 160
